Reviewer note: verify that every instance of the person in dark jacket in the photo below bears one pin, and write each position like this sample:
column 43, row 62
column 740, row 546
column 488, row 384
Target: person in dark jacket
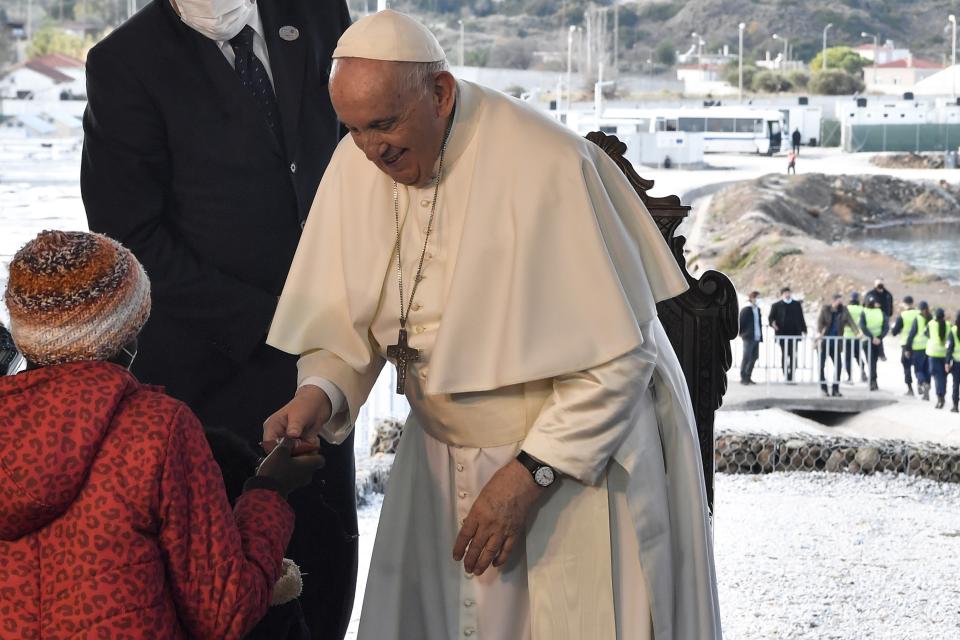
column 751, row 332
column 786, row 318
column 832, row 321
column 207, row 130
column 796, row 138
column 874, row 325
column 108, row 490
column 882, row 295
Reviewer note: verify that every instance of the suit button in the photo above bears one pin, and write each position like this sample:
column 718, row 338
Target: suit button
column 303, row 223
column 293, row 167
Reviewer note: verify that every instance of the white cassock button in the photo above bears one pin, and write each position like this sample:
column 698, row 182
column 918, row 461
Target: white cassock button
column 468, row 576
column 419, row 329
column 293, row 167
column 424, row 203
column 459, row 467
column 462, row 494
column 423, row 375
column 468, row 631
column 468, row 603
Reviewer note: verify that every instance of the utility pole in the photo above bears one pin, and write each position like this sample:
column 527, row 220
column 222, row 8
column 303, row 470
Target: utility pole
column 616, row 39
column 952, row 19
column 740, row 28
column 823, row 61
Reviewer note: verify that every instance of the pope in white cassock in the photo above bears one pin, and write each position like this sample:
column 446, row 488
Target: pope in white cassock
column 548, row 484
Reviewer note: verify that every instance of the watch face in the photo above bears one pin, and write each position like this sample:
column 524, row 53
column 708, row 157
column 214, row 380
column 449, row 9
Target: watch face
column 544, row 476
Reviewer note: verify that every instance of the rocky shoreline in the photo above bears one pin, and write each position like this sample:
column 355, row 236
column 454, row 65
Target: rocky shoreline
column 802, row 231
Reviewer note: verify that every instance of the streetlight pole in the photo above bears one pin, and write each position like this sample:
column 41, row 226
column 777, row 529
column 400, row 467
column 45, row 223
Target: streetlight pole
column 876, row 40
column 953, row 53
column 786, row 43
column 570, row 67
column 823, row 62
column 740, row 28
column 461, row 42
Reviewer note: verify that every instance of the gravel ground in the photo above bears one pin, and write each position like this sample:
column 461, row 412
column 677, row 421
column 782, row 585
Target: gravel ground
column 820, row 556
column 816, row 556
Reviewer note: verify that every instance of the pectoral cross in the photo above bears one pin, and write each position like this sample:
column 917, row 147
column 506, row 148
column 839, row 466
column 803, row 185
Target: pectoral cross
column 403, row 355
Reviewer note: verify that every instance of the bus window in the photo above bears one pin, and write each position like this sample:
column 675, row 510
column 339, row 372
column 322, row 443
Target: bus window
column 749, row 125
column 608, row 129
column 692, row 124
column 720, row 125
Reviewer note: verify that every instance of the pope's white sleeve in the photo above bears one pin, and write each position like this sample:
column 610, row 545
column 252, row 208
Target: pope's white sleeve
column 590, row 412
column 337, row 400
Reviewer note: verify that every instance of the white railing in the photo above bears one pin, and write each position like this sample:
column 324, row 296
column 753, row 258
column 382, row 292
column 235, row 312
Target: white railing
column 802, row 355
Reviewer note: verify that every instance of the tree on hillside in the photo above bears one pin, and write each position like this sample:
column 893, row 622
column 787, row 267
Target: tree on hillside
column 731, row 73
column 768, row 81
column 50, row 39
column 843, row 58
column 834, row 82
column 665, row 54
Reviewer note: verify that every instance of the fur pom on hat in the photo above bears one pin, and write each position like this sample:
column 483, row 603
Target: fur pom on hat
column 75, row 296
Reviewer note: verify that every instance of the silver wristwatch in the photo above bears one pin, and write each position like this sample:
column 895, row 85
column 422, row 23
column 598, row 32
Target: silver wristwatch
column 543, row 474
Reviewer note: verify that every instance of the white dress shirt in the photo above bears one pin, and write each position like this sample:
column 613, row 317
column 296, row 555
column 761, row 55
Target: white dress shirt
column 259, row 44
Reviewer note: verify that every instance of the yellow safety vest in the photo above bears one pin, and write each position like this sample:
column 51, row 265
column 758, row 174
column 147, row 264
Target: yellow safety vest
column 956, row 343
column 856, row 311
column 907, row 316
column 874, row 321
column 936, row 348
column 920, row 340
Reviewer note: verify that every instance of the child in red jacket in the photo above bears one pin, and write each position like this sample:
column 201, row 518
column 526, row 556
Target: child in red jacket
column 113, row 518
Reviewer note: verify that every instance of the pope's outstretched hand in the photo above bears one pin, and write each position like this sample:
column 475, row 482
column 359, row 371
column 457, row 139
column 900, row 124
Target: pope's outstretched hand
column 497, row 520
column 301, row 418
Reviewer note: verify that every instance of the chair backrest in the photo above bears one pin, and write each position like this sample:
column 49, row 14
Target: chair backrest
column 700, row 322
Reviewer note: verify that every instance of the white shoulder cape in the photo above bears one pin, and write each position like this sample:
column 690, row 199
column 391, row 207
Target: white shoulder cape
column 558, row 264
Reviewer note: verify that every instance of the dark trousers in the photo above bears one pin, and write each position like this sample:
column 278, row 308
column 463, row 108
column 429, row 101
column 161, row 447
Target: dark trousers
column 955, row 373
column 921, row 367
column 834, row 349
column 939, row 374
column 906, row 359
column 874, row 351
column 751, row 352
column 788, row 355
column 792, row 168
column 796, row 148
column 851, row 354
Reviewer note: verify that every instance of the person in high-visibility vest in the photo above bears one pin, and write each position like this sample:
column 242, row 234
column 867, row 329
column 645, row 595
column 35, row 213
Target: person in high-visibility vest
column 851, row 351
column 874, row 325
column 953, row 361
column 903, row 327
column 937, row 330
column 917, row 339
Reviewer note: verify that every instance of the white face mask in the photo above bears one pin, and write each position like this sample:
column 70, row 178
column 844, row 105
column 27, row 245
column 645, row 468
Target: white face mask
column 219, row 20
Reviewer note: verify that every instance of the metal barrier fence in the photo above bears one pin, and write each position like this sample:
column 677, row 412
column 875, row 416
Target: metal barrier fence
column 806, row 360
column 901, row 137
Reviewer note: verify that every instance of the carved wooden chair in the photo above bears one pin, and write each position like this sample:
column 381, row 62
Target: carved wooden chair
column 700, row 322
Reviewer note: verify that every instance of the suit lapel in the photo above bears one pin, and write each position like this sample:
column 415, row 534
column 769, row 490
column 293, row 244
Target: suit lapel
column 287, row 62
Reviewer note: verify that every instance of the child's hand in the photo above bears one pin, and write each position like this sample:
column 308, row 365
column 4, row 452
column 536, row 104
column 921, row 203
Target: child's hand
column 289, row 472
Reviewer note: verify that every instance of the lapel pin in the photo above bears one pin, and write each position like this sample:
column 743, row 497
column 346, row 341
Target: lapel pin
column 289, row 33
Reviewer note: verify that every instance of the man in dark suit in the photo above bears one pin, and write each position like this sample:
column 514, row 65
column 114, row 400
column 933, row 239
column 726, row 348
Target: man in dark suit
column 206, row 135
column 786, row 318
column 751, row 333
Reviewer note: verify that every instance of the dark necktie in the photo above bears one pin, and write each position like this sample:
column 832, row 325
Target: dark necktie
column 253, row 76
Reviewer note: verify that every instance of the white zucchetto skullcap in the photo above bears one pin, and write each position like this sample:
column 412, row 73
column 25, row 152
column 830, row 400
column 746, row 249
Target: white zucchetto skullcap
column 389, row 35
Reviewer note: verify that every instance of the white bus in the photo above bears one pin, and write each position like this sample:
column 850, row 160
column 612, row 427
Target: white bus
column 724, row 129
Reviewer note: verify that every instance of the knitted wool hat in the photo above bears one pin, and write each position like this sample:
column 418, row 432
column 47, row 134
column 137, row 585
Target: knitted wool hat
column 75, row 296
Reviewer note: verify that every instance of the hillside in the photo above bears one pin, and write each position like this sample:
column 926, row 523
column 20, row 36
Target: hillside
column 528, row 26
column 805, row 230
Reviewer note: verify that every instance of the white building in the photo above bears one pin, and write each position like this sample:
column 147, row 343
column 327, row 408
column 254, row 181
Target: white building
column 898, row 76
column 945, row 82
column 44, row 78
column 887, row 52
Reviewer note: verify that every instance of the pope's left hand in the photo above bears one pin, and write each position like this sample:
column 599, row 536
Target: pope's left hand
column 497, row 520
